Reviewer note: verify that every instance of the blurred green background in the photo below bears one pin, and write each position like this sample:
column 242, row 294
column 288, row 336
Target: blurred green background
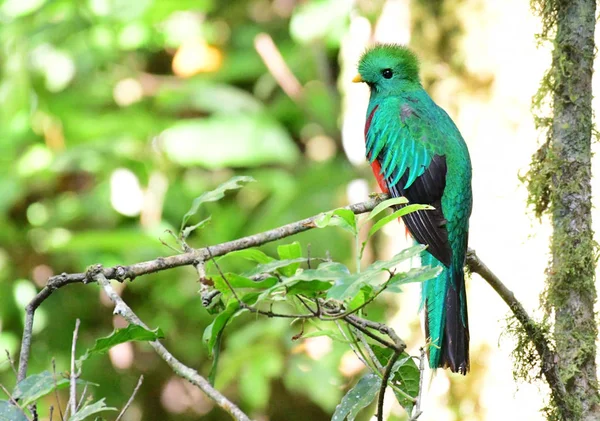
column 116, row 114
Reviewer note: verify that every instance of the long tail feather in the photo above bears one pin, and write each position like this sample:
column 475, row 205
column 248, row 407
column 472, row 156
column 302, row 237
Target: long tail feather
column 446, row 320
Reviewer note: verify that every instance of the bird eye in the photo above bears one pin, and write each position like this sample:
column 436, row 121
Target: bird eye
column 387, row 73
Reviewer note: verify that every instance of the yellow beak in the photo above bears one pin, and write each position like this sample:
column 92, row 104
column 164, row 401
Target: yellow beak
column 357, row 79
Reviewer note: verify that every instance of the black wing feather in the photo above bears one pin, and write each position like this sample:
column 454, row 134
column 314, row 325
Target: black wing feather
column 427, row 226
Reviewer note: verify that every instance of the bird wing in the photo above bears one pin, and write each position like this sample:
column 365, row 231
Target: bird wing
column 407, row 146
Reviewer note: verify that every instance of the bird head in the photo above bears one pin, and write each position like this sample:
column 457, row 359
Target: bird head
column 388, row 68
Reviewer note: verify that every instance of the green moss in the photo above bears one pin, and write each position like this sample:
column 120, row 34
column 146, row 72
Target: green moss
column 539, row 180
column 548, row 11
column 527, row 364
column 543, row 165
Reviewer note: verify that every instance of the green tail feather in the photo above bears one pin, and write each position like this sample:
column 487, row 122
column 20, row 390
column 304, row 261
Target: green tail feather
column 446, row 320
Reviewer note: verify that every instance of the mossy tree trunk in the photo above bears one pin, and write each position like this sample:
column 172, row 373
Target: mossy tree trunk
column 571, row 291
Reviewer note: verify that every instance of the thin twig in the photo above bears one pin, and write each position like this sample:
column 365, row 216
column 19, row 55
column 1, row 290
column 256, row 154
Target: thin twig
column 82, row 396
column 386, row 377
column 11, row 362
column 305, row 304
column 188, row 373
column 372, row 355
column 14, row 402
column 74, row 374
column 417, row 410
column 139, row 383
column 352, row 342
column 56, row 390
column 51, row 412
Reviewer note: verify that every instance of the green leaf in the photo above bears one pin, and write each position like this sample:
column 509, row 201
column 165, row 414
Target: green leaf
column 188, row 230
column 308, row 288
column 420, row 274
column 397, row 214
column 213, row 330
column 405, row 375
column 119, row 336
column 325, row 332
column 251, row 254
column 92, row 409
column 239, row 281
column 327, row 271
column 10, row 412
column 289, row 252
column 254, row 255
column 357, row 398
column 343, row 218
column 212, row 376
column 233, row 183
column 397, row 259
column 35, row 386
column 349, row 286
column 386, row 204
column 346, row 219
column 323, row 220
column 366, row 291
column 275, row 265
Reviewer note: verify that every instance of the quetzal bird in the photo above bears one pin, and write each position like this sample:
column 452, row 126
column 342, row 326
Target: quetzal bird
column 416, row 151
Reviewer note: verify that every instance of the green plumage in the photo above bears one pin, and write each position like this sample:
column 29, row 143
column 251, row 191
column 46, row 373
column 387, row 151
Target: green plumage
column 417, row 151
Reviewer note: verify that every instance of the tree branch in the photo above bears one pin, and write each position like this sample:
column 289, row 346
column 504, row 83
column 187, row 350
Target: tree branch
column 188, row 373
column 547, row 355
column 193, row 257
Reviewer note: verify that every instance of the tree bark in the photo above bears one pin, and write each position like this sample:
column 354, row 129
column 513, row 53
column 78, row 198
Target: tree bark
column 571, row 291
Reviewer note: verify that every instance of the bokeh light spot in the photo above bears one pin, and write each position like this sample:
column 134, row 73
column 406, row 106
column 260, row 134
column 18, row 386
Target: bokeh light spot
column 196, row 56
column 126, row 195
column 37, row 214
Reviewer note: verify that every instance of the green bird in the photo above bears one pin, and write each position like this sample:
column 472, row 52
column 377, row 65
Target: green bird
column 416, row 151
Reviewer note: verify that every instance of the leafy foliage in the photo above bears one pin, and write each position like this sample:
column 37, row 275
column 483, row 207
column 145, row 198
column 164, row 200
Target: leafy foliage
column 36, row 386
column 119, row 336
column 10, row 412
column 329, row 291
column 212, row 196
column 88, row 410
column 405, row 375
column 357, row 398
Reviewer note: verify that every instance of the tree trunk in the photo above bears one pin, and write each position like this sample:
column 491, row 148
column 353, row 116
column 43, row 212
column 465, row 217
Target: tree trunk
column 571, row 289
